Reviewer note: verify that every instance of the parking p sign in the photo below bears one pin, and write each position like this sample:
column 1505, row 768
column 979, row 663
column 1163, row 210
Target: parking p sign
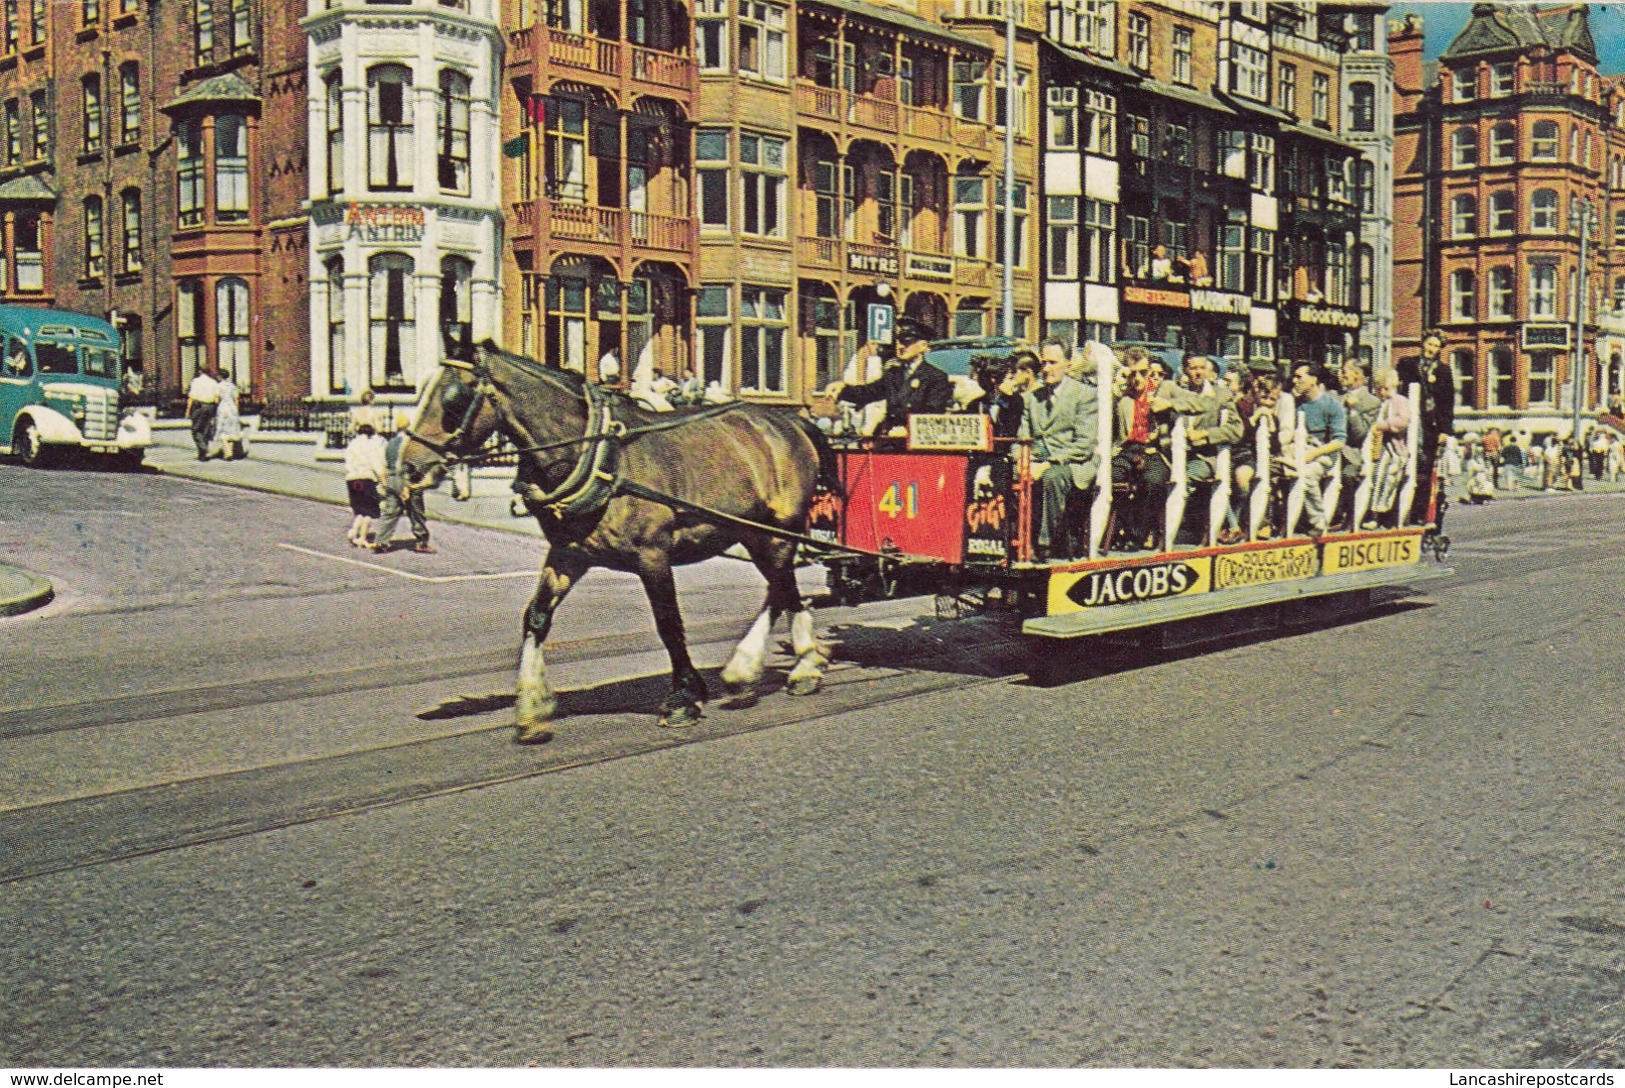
column 882, row 320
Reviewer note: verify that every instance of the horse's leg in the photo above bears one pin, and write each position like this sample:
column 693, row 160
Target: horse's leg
column 688, row 692
column 744, row 669
column 536, row 702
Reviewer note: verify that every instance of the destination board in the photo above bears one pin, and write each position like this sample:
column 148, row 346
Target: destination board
column 1263, row 566
column 1102, row 587
column 1372, row 552
column 968, row 431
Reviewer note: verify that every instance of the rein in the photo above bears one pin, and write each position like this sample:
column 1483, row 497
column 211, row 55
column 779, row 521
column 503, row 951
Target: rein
column 620, row 433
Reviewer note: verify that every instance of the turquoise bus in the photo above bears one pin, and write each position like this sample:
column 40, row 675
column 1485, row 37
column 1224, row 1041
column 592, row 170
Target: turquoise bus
column 59, row 387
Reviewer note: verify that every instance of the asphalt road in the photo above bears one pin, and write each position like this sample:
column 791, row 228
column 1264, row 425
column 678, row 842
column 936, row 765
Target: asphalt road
column 260, row 808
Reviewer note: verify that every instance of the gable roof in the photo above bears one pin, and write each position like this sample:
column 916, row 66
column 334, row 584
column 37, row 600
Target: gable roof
column 1497, row 28
column 28, row 187
column 229, row 87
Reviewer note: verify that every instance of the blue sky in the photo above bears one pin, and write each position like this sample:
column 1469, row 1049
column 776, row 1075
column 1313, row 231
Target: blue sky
column 1442, row 22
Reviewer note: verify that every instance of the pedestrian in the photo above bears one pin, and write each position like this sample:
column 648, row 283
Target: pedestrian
column 365, row 412
column 1574, row 465
column 228, row 423
column 400, row 496
column 364, row 473
column 1616, row 458
column 202, row 403
column 1597, row 452
column 1512, row 461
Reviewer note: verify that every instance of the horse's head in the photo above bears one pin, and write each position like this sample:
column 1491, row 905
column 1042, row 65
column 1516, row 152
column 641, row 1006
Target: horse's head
column 454, row 420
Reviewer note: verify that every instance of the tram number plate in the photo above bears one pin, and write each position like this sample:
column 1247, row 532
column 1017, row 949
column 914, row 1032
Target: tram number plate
column 1372, row 553
column 1077, row 590
column 1263, row 566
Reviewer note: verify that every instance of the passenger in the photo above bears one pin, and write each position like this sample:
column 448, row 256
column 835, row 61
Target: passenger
column 1437, row 412
column 1211, row 423
column 909, row 385
column 1391, row 431
column 1362, row 406
column 1243, row 452
column 1062, row 420
column 1140, row 457
column 1325, row 421
column 1272, row 406
column 1008, row 405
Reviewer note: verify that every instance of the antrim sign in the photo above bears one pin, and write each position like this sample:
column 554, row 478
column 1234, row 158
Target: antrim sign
column 385, row 222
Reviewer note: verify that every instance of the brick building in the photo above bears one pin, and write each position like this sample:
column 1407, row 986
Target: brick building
column 151, row 170
column 1498, row 151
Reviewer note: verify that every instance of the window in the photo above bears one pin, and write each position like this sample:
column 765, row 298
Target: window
column 1176, row 143
column 761, row 40
column 1063, row 237
column 1461, row 363
column 1230, row 270
column 1504, row 142
column 1464, row 146
column 1504, row 373
column 1001, row 100
column 1543, row 141
column 453, row 137
column 1139, row 135
column 203, row 30
column 189, row 171
column 1183, row 45
column 335, row 132
column 1139, row 42
column 129, row 76
column 1261, row 245
column 1365, row 277
column 1136, row 246
column 1503, row 212
column 1463, row 216
column 1019, row 206
column 1589, row 156
column 1363, row 29
column 390, row 149
column 95, row 239
column 1501, row 80
column 36, row 23
column 1463, row 295
column 336, row 382
column 1337, row 180
column 1542, row 378
column 1321, row 103
column 1365, row 185
column 1231, row 152
column 392, row 317
column 1100, row 123
column 457, row 308
column 1337, row 274
column 230, row 168
column 762, row 184
column 1362, row 107
column 714, row 330
column 970, row 89
column 91, row 87
column 1464, row 84
column 1543, row 290
column 1250, row 72
column 189, row 328
column 1084, row 23
column 1574, row 145
column 1062, row 115
column 763, row 330
column 1286, row 87
column 231, row 329
column 14, row 137
column 11, row 26
column 90, row 12
column 42, row 126
column 970, row 214
column 242, row 28
column 1501, row 293
column 1619, row 227
column 970, row 320
column 711, row 34
column 1100, row 241
column 1261, row 166
column 1543, row 211
column 711, row 146
column 131, row 200
column 566, row 158
column 565, row 339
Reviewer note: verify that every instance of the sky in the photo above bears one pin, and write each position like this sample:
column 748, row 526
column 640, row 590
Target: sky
column 1442, row 22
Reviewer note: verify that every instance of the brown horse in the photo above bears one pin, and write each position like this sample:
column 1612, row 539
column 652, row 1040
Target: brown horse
column 615, row 486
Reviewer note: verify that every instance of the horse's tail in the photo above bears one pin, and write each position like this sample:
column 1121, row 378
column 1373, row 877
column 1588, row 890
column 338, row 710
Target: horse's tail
column 829, row 465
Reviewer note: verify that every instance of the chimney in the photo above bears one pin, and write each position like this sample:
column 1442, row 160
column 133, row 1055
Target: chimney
column 1405, row 47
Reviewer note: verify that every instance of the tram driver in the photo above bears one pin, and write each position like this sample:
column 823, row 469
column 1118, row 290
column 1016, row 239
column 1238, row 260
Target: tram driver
column 909, row 385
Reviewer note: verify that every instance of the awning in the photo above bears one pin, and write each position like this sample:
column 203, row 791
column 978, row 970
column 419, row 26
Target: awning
column 1322, row 135
column 1260, row 108
column 1091, row 61
column 900, row 19
column 1188, row 95
column 230, row 87
column 28, row 187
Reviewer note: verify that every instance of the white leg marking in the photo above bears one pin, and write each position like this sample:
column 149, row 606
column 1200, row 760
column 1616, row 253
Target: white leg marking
column 535, row 701
column 750, row 657
column 811, row 656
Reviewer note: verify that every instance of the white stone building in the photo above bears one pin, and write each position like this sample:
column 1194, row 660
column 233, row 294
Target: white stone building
column 405, row 198
column 1368, row 123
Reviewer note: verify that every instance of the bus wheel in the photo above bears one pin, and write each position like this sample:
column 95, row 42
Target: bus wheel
column 27, row 444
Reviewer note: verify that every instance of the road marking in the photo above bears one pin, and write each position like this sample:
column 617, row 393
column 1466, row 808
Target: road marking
column 432, row 579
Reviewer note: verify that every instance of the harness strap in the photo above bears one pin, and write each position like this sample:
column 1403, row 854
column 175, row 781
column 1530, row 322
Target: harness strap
column 622, row 434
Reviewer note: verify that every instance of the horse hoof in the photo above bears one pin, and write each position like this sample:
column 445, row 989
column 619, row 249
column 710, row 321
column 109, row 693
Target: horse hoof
column 532, row 734
column 804, row 685
column 679, row 716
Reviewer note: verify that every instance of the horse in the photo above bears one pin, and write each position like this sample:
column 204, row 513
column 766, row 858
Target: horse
column 613, row 485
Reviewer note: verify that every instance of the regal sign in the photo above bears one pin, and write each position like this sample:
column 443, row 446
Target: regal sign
column 1152, row 296
column 1320, row 315
column 385, row 222
column 1221, row 302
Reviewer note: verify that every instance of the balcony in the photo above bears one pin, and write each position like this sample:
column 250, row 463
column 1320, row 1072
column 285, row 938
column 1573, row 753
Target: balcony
column 613, row 63
column 521, row 56
column 521, row 222
column 893, row 120
column 839, row 257
column 1029, row 13
column 583, row 224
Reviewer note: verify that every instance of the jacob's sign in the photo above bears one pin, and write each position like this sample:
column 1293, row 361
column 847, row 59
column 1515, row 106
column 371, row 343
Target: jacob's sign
column 1076, row 590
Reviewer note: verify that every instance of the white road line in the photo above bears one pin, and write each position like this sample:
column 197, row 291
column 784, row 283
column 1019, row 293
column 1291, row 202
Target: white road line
column 433, row 580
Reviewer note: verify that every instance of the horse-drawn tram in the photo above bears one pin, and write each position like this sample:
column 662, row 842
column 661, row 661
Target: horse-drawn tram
column 950, row 510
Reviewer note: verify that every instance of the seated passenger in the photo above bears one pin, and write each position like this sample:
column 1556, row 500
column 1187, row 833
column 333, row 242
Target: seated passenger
column 1008, row 404
column 1326, row 423
column 1362, row 406
column 1062, row 420
column 1140, row 451
column 1211, row 423
column 1243, row 452
column 1392, row 429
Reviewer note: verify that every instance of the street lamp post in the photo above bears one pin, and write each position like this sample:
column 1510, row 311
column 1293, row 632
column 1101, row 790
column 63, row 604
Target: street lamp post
column 1582, row 218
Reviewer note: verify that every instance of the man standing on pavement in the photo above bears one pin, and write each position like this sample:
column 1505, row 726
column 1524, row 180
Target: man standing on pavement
column 202, row 403
column 400, row 494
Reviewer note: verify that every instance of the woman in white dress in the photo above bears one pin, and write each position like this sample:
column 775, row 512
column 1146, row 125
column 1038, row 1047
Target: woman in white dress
column 228, row 424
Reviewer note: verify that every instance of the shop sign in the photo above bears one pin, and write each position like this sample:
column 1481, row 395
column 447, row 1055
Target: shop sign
column 927, row 267
column 1221, row 302
column 879, row 264
column 1265, row 566
column 964, row 431
column 1076, row 591
column 1151, row 296
column 1545, row 336
column 1372, row 553
column 1320, row 315
column 385, row 222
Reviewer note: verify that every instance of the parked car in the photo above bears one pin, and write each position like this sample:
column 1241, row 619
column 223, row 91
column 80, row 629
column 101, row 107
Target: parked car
column 59, row 387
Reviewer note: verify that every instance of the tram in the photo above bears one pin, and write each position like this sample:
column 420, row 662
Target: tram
column 921, row 514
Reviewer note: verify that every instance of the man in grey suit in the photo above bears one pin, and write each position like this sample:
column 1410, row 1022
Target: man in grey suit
column 1211, row 420
column 1062, row 418
column 1362, row 405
